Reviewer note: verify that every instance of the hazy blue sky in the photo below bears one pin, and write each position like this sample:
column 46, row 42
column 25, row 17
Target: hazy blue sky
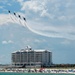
column 52, row 26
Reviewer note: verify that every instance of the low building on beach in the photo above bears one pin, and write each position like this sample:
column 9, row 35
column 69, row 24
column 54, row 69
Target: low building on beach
column 31, row 58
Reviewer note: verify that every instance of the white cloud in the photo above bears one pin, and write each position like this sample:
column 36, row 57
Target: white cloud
column 38, row 41
column 66, row 42
column 5, row 18
column 1, row 7
column 65, row 31
column 62, row 17
column 3, row 1
column 9, row 4
column 20, row 1
column 48, row 8
column 36, row 6
column 8, row 18
column 4, row 42
column 7, row 42
column 10, row 41
column 60, row 22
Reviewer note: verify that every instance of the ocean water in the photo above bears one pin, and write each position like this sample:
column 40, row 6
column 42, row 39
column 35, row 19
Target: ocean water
column 10, row 73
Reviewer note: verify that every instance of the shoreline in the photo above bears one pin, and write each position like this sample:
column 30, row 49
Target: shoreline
column 39, row 70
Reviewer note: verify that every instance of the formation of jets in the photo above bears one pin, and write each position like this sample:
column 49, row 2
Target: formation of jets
column 22, row 20
column 19, row 16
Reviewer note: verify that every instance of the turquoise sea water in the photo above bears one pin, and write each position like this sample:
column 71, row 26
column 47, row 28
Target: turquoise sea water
column 8, row 73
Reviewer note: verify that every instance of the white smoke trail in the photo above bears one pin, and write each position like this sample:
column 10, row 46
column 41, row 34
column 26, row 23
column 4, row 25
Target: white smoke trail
column 23, row 23
column 53, row 35
column 40, row 33
column 14, row 18
column 11, row 16
column 4, row 19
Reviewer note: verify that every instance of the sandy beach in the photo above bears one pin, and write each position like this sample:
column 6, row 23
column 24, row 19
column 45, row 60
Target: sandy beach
column 39, row 70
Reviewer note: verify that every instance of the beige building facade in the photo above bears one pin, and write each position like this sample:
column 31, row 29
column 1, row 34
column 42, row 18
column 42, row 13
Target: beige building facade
column 30, row 57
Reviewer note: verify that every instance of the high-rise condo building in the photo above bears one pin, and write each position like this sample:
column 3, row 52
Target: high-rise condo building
column 29, row 57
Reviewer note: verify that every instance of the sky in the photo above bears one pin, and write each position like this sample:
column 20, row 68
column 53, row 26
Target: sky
column 50, row 24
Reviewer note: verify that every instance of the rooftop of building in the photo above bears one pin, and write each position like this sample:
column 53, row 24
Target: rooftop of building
column 28, row 49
